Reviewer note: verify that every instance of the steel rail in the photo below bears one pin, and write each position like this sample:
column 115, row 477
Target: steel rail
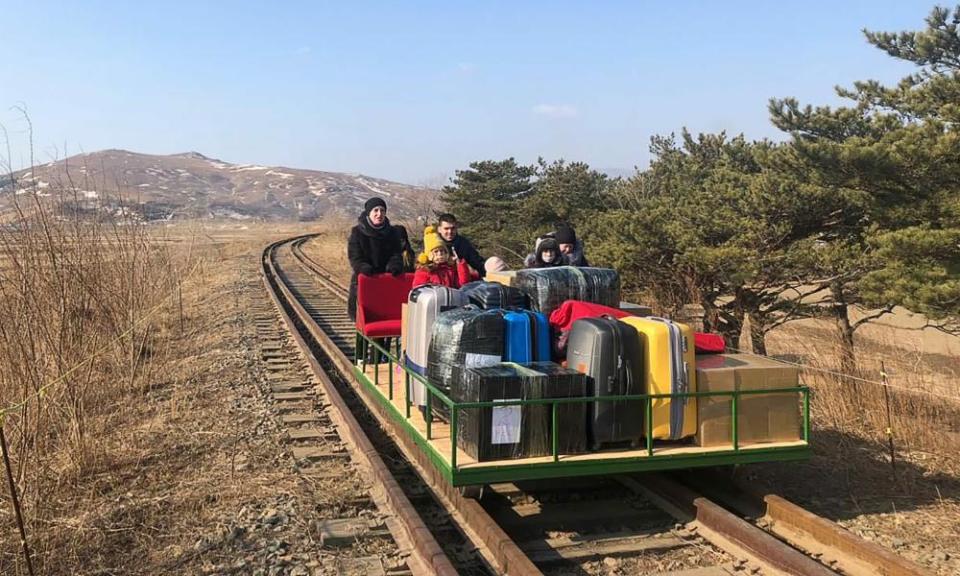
column 428, row 556
column 495, row 542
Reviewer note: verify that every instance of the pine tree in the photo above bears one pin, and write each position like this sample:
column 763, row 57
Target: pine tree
column 894, row 155
column 563, row 192
column 486, row 199
column 715, row 221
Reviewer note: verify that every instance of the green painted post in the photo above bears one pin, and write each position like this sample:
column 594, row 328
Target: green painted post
column 806, row 415
column 376, row 366
column 453, row 437
column 554, row 435
column 648, row 416
column 390, row 378
column 363, row 352
column 734, row 423
column 429, row 417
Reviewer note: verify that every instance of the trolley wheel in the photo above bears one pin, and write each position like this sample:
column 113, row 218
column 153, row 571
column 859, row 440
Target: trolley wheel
column 473, row 491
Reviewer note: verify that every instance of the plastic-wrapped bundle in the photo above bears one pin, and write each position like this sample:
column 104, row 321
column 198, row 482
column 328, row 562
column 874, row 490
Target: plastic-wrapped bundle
column 462, row 338
column 494, row 295
column 548, row 288
column 520, row 431
column 495, row 433
column 558, row 382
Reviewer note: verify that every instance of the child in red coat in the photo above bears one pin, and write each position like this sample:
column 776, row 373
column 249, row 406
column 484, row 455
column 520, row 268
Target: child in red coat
column 436, row 266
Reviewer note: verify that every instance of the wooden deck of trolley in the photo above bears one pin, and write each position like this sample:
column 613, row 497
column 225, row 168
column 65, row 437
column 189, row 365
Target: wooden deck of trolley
column 666, row 455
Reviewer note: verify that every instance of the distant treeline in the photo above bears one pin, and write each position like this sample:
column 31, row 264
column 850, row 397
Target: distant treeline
column 861, row 206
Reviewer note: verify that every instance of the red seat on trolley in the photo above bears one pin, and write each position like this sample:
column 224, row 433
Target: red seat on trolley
column 380, row 299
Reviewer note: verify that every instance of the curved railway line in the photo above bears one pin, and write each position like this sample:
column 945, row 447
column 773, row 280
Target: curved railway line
column 689, row 524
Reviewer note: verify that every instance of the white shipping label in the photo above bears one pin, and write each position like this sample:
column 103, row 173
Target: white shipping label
column 481, row 360
column 505, row 424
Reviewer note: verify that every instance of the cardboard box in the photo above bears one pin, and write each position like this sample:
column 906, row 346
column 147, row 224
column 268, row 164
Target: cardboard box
column 505, row 277
column 762, row 417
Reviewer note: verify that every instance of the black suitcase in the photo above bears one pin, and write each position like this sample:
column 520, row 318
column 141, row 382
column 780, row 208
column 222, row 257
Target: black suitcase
column 462, row 338
column 494, row 295
column 548, row 288
column 609, row 353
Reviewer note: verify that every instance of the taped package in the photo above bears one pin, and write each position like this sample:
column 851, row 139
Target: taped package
column 519, row 431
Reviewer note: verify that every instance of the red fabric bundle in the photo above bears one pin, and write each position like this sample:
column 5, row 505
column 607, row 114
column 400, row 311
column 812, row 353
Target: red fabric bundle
column 562, row 318
column 706, row 343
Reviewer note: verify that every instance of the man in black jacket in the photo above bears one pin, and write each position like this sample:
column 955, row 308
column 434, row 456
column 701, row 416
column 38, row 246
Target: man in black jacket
column 374, row 248
column 460, row 245
column 570, row 246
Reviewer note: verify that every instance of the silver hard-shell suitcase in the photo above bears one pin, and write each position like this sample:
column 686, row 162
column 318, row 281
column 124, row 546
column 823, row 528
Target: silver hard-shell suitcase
column 423, row 306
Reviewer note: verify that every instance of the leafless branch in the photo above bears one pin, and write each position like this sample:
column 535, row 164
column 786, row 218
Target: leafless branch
column 871, row 317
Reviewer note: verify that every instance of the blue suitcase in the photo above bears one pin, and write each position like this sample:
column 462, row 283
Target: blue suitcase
column 526, row 336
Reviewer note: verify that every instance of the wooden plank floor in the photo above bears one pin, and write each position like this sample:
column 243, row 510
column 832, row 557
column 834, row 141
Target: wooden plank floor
column 440, row 432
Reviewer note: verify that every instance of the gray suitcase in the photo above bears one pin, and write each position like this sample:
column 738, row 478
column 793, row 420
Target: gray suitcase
column 609, row 352
column 423, row 306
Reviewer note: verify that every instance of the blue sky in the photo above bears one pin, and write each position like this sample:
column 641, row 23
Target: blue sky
column 413, row 91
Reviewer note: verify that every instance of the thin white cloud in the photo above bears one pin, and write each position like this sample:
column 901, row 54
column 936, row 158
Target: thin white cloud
column 555, row 110
column 466, row 67
column 303, row 50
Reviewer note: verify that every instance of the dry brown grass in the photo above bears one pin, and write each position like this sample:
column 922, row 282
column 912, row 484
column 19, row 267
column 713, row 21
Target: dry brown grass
column 89, row 303
column 920, row 404
column 124, row 464
column 329, row 249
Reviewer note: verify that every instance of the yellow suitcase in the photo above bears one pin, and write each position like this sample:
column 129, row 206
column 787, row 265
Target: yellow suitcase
column 669, row 365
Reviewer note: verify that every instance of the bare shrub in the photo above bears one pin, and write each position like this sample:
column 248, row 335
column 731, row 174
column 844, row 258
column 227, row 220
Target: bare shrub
column 86, row 295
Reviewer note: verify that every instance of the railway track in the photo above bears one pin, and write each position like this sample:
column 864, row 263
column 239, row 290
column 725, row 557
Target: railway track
column 636, row 524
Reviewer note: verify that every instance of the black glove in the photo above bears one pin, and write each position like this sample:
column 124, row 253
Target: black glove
column 395, row 268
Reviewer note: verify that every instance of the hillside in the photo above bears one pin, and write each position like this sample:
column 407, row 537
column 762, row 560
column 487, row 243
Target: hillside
column 191, row 185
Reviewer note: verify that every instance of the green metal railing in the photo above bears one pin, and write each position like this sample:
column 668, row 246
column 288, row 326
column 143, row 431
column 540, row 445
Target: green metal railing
column 449, row 466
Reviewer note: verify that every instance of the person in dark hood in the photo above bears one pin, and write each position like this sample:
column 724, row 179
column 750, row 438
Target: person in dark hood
column 548, row 254
column 459, row 245
column 374, row 248
column 570, row 246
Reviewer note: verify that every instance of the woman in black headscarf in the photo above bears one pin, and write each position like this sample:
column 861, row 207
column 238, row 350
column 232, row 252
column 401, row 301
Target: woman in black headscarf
column 374, row 248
